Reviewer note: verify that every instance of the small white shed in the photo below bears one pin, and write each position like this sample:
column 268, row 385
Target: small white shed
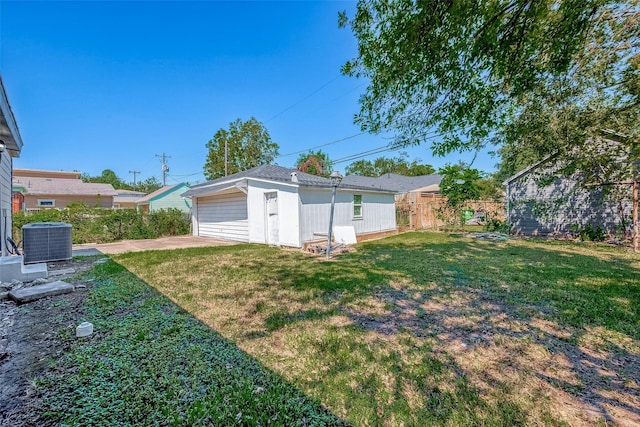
column 280, row 206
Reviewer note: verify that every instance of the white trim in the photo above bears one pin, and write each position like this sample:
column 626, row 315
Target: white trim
column 353, row 207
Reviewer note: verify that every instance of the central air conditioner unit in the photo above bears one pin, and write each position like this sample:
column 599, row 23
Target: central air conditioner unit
column 46, row 241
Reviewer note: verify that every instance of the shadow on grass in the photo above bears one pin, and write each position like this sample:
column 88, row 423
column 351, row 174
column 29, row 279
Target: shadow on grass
column 464, row 298
column 152, row 363
column 467, row 293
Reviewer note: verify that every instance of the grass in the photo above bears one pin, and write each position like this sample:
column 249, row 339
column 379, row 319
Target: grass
column 417, row 329
column 151, row 363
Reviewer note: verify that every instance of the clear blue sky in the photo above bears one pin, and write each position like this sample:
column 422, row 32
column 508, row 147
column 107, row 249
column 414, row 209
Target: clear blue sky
column 110, row 85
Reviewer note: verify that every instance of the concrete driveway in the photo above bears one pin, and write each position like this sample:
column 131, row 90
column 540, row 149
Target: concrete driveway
column 123, row 246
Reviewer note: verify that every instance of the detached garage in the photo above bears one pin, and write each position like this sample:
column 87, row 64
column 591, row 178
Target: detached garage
column 280, row 206
column 222, row 215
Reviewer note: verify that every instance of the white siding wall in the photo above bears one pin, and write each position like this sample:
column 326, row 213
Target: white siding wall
column 288, row 212
column 5, row 200
column 378, row 212
column 223, row 215
column 172, row 200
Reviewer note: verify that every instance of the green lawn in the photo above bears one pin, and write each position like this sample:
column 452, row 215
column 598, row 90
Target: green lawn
column 417, row 329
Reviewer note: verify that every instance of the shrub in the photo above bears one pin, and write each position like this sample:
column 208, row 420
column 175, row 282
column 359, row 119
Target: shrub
column 98, row 225
column 497, row 226
column 590, row 233
column 170, row 222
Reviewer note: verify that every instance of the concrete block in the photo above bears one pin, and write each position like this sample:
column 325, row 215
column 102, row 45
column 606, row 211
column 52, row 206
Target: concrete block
column 13, row 268
column 36, row 292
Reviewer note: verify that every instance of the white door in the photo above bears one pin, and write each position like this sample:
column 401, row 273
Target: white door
column 271, row 209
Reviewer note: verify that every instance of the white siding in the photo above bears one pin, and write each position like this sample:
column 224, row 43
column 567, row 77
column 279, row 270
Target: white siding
column 223, row 215
column 288, row 212
column 378, row 212
column 5, row 200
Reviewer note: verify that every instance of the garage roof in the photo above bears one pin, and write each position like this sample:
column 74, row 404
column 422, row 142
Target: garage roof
column 276, row 174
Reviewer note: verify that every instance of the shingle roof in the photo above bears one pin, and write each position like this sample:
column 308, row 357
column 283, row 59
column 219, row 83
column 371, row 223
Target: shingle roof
column 165, row 189
column 62, row 186
column 395, row 182
column 273, row 173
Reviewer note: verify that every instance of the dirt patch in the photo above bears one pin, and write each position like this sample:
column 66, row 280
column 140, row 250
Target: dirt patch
column 30, row 338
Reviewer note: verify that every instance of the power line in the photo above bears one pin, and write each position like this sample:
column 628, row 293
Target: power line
column 320, row 146
column 378, row 150
column 305, row 98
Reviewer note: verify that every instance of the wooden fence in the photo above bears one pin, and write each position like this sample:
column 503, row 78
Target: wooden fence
column 420, row 211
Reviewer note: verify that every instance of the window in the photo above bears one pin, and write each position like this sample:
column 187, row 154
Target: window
column 46, row 203
column 357, row 205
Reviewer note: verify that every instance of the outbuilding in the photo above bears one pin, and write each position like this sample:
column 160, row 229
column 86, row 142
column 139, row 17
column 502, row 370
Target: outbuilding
column 279, row 206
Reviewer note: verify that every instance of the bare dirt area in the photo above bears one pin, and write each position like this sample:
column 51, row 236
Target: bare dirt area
column 29, row 339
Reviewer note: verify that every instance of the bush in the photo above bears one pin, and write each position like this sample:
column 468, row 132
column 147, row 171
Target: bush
column 589, row 233
column 497, row 226
column 98, row 225
column 170, row 222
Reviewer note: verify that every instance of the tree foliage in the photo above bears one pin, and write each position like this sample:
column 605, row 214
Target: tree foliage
column 248, row 145
column 541, row 75
column 381, row 165
column 108, row 176
column 459, row 184
column 315, row 163
column 149, row 185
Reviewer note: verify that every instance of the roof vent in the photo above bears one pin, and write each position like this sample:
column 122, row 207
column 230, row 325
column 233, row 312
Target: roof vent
column 294, row 176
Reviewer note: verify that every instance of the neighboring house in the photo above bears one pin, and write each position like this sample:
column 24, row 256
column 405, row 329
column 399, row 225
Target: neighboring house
column 541, row 202
column 280, row 206
column 44, row 189
column 166, row 197
column 126, row 199
column 11, row 146
column 425, row 184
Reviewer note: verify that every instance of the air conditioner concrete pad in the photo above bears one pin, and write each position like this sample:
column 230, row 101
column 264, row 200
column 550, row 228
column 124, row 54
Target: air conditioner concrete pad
column 40, row 291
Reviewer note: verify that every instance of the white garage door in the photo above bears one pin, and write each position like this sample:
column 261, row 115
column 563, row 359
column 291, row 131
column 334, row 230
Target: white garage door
column 224, row 216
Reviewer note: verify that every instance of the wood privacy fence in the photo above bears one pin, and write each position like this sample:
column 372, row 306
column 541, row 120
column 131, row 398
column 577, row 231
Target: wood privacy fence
column 419, row 211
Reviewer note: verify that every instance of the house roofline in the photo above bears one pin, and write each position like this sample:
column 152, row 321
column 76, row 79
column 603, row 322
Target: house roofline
column 13, row 139
column 529, row 169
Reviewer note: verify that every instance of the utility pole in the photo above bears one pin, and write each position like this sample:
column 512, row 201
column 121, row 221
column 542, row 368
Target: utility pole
column 134, row 178
column 165, row 167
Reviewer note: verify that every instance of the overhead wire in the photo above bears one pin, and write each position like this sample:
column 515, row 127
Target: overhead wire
column 304, row 98
column 322, row 145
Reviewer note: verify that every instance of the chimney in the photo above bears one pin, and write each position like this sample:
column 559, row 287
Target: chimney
column 294, row 176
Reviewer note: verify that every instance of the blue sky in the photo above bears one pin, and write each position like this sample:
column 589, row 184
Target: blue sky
column 110, row 85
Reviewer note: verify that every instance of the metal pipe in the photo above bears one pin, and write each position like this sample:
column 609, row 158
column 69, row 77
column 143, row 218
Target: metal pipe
column 333, row 201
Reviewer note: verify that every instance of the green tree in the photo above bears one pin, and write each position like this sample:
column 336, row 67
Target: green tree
column 382, row 165
column 458, row 74
column 459, row 184
column 247, row 145
column 149, row 185
column 315, row 163
column 489, row 188
column 107, row 177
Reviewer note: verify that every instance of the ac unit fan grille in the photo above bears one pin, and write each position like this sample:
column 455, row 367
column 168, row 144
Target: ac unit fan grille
column 46, row 241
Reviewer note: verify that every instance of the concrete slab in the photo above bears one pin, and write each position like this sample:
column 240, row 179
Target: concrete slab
column 163, row 243
column 33, row 293
column 13, row 268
